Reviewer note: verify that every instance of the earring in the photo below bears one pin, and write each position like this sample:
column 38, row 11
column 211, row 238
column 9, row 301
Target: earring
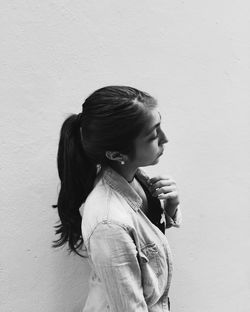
column 122, row 162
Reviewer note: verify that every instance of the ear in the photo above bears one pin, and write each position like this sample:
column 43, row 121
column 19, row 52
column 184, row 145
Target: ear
column 116, row 156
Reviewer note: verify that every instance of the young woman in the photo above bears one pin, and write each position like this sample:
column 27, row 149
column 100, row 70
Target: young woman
column 110, row 208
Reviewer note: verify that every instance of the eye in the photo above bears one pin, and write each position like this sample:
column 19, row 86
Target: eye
column 156, row 136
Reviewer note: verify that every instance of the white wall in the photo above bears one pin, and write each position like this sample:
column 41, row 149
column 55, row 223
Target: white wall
column 194, row 57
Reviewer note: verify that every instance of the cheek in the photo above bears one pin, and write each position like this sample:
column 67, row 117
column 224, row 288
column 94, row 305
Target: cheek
column 146, row 151
column 153, row 145
column 151, row 149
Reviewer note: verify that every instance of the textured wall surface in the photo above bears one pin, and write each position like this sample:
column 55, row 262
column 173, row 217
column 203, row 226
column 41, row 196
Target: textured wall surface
column 194, row 57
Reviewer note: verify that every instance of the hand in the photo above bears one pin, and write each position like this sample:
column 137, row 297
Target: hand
column 164, row 187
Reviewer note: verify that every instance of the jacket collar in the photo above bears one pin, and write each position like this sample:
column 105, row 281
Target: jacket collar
column 118, row 183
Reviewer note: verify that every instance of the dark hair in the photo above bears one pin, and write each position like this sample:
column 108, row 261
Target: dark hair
column 112, row 117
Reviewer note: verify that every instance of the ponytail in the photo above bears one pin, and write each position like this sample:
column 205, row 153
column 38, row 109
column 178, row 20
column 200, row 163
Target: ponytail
column 112, row 117
column 77, row 174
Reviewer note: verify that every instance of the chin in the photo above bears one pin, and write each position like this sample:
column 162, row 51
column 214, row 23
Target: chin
column 151, row 163
column 154, row 162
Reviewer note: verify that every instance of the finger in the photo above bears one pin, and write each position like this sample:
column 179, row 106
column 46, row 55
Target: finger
column 158, row 178
column 164, row 190
column 172, row 195
column 162, row 183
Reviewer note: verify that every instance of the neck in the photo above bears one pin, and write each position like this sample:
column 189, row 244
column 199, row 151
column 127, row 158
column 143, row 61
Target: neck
column 126, row 172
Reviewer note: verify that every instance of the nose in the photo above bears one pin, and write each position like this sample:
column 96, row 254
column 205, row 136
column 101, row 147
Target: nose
column 163, row 139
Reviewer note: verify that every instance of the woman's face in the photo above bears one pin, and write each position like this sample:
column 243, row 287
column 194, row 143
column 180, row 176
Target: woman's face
column 149, row 144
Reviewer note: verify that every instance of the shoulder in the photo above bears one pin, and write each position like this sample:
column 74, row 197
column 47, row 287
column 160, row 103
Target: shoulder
column 104, row 205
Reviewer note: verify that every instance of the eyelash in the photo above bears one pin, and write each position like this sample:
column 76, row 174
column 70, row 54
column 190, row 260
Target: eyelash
column 155, row 137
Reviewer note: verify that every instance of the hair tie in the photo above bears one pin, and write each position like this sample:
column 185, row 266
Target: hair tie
column 79, row 118
column 79, row 121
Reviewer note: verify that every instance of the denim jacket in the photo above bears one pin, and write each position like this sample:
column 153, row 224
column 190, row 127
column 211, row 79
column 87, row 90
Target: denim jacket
column 130, row 257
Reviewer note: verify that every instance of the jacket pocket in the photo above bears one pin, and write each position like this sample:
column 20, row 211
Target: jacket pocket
column 150, row 255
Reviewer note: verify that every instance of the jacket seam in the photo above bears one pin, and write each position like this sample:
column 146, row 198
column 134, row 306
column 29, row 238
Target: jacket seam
column 126, row 227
